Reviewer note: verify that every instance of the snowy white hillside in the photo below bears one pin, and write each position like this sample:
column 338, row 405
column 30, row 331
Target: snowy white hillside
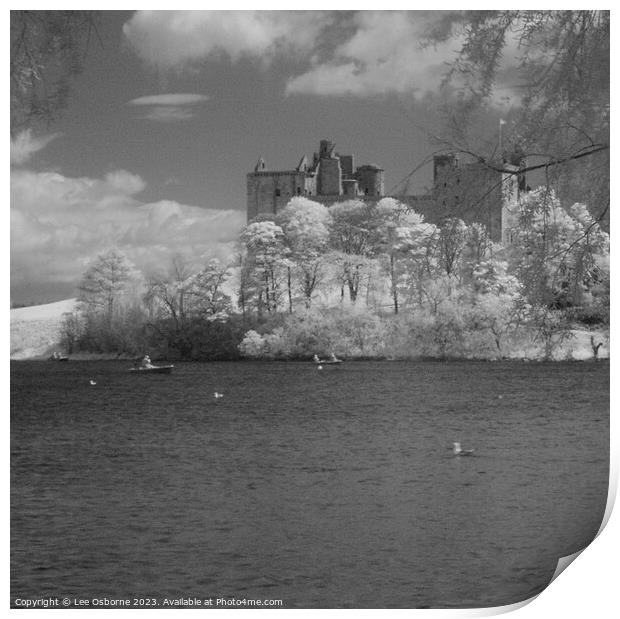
column 35, row 330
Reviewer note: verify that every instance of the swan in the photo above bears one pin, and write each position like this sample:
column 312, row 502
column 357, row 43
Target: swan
column 457, row 451
column 92, row 382
column 218, row 395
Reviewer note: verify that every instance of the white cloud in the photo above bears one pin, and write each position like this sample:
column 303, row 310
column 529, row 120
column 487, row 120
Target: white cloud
column 173, row 39
column 25, row 144
column 360, row 53
column 59, row 224
column 124, row 182
column 174, row 99
column 169, row 107
column 383, row 55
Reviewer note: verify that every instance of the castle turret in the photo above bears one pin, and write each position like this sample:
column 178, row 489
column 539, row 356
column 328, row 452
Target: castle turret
column 326, row 149
column 371, row 181
column 260, row 165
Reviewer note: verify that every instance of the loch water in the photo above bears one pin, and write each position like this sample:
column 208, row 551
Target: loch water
column 320, row 488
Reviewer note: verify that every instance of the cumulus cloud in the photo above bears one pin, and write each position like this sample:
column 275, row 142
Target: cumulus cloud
column 169, row 107
column 360, row 53
column 25, row 144
column 175, row 39
column 382, row 55
column 60, row 224
column 124, row 182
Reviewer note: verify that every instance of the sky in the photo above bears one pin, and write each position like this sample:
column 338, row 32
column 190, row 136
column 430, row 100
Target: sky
column 174, row 108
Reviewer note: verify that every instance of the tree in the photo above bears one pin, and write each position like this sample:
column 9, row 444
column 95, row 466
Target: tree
column 47, row 49
column 169, row 292
column 252, row 345
column 206, row 297
column 104, row 282
column 497, row 304
column 478, row 248
column 560, row 256
column 351, row 239
column 71, row 330
column 306, row 226
column 263, row 254
column 183, row 303
column 450, row 245
column 548, row 72
column 110, row 310
column 398, row 234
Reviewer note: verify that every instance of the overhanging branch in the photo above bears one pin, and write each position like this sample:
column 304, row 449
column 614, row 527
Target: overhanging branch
column 597, row 148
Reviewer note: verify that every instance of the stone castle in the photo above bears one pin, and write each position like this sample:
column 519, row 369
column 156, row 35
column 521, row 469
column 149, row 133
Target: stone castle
column 473, row 192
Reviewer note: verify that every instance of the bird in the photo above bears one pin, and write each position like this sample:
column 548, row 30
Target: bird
column 457, row 451
column 218, row 395
column 92, row 382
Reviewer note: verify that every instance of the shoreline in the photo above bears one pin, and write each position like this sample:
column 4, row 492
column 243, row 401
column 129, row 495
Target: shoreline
column 80, row 357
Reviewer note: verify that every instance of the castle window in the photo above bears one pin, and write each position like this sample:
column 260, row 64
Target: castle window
column 277, row 193
column 366, row 190
column 298, row 191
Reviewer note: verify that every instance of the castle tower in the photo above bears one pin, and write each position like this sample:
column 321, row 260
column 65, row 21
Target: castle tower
column 371, row 180
column 478, row 192
column 329, row 181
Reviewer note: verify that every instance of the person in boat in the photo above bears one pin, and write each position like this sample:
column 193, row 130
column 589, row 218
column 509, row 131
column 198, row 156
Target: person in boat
column 333, row 357
column 146, row 362
column 316, row 359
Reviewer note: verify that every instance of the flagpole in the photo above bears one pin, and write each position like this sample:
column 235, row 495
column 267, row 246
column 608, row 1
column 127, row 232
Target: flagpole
column 501, row 122
column 500, row 136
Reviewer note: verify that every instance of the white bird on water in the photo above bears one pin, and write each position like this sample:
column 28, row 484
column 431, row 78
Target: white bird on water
column 217, row 395
column 457, row 451
column 92, row 382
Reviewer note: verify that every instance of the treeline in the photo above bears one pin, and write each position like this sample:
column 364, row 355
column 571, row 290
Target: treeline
column 360, row 280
